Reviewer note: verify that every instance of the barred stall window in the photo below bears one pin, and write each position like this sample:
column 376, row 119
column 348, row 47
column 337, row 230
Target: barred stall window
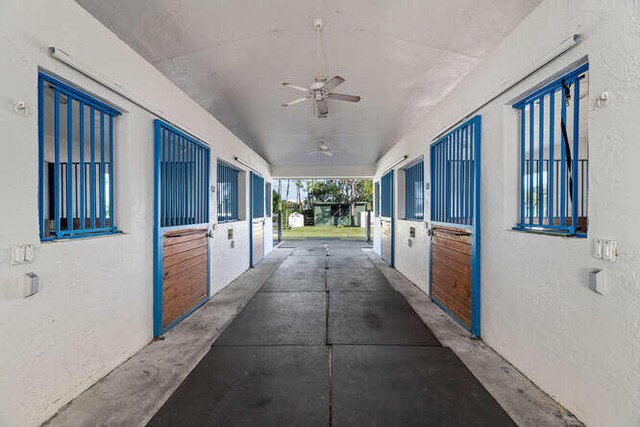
column 386, row 195
column 554, row 162
column 76, row 143
column 184, row 177
column 257, row 196
column 227, row 189
column 414, row 191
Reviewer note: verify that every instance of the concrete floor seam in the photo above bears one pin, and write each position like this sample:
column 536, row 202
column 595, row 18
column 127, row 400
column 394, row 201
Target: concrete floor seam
column 371, row 338
column 275, row 268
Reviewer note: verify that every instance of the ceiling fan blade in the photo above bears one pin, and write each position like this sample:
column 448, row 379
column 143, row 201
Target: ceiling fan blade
column 296, row 101
column 296, row 87
column 333, row 83
column 328, row 153
column 311, row 153
column 337, row 150
column 343, row 97
column 323, row 108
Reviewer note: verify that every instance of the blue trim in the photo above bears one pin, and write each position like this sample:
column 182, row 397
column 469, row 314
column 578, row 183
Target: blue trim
column 166, row 139
column 456, row 201
column 84, row 235
column 555, row 231
column 387, row 211
column 256, row 209
column 551, row 87
column 78, row 94
column 157, row 233
column 41, row 189
column 393, row 222
column 558, row 179
column 67, row 191
column 476, row 233
column 450, row 313
column 187, row 313
column 257, row 196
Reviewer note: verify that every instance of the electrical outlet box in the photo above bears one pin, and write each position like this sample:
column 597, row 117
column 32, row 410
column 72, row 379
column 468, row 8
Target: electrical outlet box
column 230, row 234
column 604, row 249
column 22, row 254
column 412, row 232
column 31, row 285
column 596, row 281
column 410, row 242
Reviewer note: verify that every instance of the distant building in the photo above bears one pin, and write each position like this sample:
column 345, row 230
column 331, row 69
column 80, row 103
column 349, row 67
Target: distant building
column 296, row 220
column 332, row 214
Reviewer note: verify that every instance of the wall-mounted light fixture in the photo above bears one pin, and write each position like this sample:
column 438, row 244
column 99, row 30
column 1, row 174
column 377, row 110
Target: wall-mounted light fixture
column 396, row 163
column 563, row 47
column 67, row 59
column 245, row 163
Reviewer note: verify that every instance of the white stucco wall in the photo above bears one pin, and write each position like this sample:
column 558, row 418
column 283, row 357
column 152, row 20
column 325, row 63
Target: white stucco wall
column 57, row 343
column 412, row 261
column 537, row 310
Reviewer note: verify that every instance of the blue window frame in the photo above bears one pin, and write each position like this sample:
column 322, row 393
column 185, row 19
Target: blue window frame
column 414, row 191
column 76, row 153
column 554, row 164
column 184, row 177
column 257, row 196
column 227, row 190
column 386, row 195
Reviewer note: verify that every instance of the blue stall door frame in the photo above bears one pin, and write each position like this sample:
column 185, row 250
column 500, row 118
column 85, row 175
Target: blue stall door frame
column 474, row 228
column 389, row 176
column 253, row 177
column 159, row 125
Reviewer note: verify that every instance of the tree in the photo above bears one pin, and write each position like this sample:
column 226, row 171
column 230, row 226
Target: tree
column 286, row 204
column 325, row 191
column 299, row 193
column 352, row 201
column 276, row 199
column 341, row 191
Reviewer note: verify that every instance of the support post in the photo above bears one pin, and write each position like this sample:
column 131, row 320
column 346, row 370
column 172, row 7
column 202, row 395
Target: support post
column 280, row 222
column 368, row 224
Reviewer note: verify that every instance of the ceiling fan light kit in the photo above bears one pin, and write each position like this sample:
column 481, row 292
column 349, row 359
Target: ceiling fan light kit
column 324, row 149
column 320, row 90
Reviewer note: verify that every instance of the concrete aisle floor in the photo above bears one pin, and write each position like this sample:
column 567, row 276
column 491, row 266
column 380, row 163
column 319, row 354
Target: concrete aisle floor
column 328, row 341
column 262, row 378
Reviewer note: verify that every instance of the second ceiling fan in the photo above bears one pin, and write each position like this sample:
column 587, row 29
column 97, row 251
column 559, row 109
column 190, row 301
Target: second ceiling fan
column 320, row 91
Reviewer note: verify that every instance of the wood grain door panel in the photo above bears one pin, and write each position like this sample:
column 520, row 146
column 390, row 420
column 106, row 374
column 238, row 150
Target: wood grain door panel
column 185, row 272
column 451, row 270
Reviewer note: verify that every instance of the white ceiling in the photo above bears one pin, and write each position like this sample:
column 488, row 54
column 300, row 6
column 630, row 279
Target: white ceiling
column 401, row 56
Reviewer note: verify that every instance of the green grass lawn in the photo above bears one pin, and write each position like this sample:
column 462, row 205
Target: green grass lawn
column 351, row 233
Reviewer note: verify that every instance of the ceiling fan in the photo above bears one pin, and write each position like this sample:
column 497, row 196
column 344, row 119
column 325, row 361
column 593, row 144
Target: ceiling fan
column 323, row 148
column 320, row 90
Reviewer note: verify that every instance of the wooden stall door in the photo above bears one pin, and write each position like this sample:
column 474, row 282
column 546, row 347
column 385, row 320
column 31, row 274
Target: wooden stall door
column 184, row 272
column 455, row 223
column 386, row 240
column 258, row 241
column 451, row 270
